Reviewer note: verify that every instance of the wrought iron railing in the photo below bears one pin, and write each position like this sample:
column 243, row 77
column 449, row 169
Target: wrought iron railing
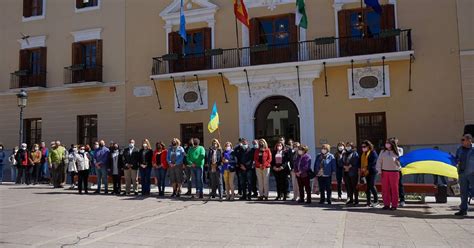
column 80, row 74
column 25, row 79
column 321, row 48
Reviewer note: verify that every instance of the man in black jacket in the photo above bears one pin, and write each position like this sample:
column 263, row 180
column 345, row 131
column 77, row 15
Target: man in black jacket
column 23, row 161
column 244, row 155
column 131, row 157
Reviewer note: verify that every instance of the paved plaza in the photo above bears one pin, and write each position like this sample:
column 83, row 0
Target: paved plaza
column 40, row 216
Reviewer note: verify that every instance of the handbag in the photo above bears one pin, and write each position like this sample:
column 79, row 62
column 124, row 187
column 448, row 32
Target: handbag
column 456, row 188
column 311, row 174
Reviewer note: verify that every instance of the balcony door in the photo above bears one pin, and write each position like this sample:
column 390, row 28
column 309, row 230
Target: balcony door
column 32, row 67
column 191, row 55
column 368, row 38
column 87, row 61
column 273, row 39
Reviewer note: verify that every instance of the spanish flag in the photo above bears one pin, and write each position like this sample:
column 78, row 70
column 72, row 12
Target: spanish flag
column 240, row 12
column 213, row 124
column 429, row 161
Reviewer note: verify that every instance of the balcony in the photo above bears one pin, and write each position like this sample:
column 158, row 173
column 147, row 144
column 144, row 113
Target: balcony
column 389, row 41
column 26, row 79
column 81, row 73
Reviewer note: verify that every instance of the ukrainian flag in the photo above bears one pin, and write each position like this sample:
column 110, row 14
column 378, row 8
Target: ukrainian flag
column 213, row 124
column 429, row 161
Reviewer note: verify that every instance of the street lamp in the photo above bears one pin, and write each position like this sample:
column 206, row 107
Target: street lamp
column 22, row 101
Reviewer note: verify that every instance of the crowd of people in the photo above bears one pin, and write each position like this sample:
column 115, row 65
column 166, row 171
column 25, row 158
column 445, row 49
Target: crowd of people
column 251, row 162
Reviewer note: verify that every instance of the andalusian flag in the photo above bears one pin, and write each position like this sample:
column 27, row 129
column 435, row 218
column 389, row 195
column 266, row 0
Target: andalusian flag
column 240, row 12
column 301, row 18
column 213, row 124
column 429, row 161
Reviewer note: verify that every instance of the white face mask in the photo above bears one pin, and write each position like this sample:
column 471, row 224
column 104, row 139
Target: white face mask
column 324, row 151
column 131, row 145
column 341, row 148
column 81, row 151
column 96, row 146
column 74, row 149
column 228, row 148
column 145, row 145
column 388, row 146
column 36, row 148
column 348, row 149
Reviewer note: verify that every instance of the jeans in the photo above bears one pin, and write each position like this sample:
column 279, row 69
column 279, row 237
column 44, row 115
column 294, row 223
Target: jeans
column 303, row 185
column 371, row 189
column 197, row 178
column 215, row 182
column 390, row 180
column 339, row 175
column 161, row 176
column 246, row 178
column 1, row 172
column 466, row 182
column 401, row 191
column 36, row 173
column 188, row 173
column 325, row 187
column 102, row 178
column 262, row 179
column 13, row 172
column 239, row 187
column 145, row 179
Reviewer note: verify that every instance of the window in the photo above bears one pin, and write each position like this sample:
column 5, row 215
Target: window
column 356, row 40
column 32, row 131
column 32, row 71
column 192, row 52
column 192, row 130
column 80, row 4
column 32, row 8
column 372, row 127
column 87, row 61
column 86, row 129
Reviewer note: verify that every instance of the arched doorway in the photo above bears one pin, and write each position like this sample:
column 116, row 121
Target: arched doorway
column 275, row 117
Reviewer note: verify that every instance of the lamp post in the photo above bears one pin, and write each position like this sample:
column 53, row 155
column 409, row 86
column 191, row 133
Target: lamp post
column 22, row 101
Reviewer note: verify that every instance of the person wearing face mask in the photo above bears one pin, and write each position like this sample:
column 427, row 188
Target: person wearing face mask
column 161, row 166
column 254, row 188
column 72, row 163
column 302, row 167
column 101, row 160
column 24, row 163
column 36, row 157
column 294, row 180
column 63, row 150
column 368, row 170
column 2, row 159
column 263, row 159
column 131, row 157
column 389, row 165
column 145, row 161
column 228, row 167
column 82, row 164
column 44, row 170
column 351, row 163
column 214, row 164
column 401, row 189
column 187, row 169
column 341, row 149
column 325, row 166
column 465, row 162
column 175, row 159
column 280, row 170
column 196, row 156
column 55, row 158
column 13, row 164
column 116, row 165
column 237, row 168
column 244, row 157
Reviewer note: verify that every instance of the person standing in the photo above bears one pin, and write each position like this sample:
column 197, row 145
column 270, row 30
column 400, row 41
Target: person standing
column 389, row 165
column 214, row 162
column 101, row 160
column 401, row 189
column 56, row 160
column 188, row 168
column 82, row 162
column 294, row 180
column 341, row 149
column 72, row 163
column 161, row 166
column 254, row 171
column 2, row 160
column 368, row 170
column 244, row 157
column 280, row 169
column 196, row 156
column 228, row 166
column 302, row 168
column 351, row 162
column 131, row 157
column 44, row 170
column 325, row 166
column 465, row 161
column 13, row 164
column 115, row 160
column 263, row 159
column 63, row 150
column 24, row 164
column 146, row 157
column 175, row 159
column 237, row 167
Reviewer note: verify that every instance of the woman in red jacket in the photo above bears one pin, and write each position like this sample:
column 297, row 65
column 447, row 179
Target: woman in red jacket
column 262, row 159
column 161, row 166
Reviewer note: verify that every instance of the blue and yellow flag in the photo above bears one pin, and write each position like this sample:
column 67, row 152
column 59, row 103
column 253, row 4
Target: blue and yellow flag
column 429, row 161
column 213, row 124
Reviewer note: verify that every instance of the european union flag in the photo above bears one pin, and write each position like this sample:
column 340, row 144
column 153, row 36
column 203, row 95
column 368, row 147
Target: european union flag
column 182, row 23
column 375, row 5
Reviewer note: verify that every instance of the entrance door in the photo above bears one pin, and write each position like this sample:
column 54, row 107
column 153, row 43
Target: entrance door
column 372, row 127
column 277, row 117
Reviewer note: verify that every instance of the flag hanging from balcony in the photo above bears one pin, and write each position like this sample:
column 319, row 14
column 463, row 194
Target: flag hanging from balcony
column 213, row 124
column 240, row 12
column 375, row 5
column 182, row 22
column 301, row 18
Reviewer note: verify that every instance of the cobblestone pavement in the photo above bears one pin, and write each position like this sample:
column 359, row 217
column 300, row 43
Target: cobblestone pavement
column 40, row 216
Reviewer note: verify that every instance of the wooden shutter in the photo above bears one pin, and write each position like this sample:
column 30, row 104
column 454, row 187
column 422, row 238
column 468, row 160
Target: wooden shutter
column 26, row 8
column 175, row 43
column 76, row 53
column 292, row 28
column 79, row 4
column 98, row 60
column 24, row 59
column 388, row 17
column 344, row 21
column 207, row 38
column 254, row 32
column 43, row 60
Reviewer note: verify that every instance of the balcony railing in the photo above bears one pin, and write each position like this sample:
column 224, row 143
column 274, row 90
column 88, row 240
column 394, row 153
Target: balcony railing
column 82, row 74
column 322, row 48
column 25, row 79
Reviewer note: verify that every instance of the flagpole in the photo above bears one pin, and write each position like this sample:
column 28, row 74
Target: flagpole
column 219, row 135
column 237, row 37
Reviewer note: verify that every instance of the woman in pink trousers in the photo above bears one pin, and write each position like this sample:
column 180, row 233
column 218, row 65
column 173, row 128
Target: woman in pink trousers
column 389, row 165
